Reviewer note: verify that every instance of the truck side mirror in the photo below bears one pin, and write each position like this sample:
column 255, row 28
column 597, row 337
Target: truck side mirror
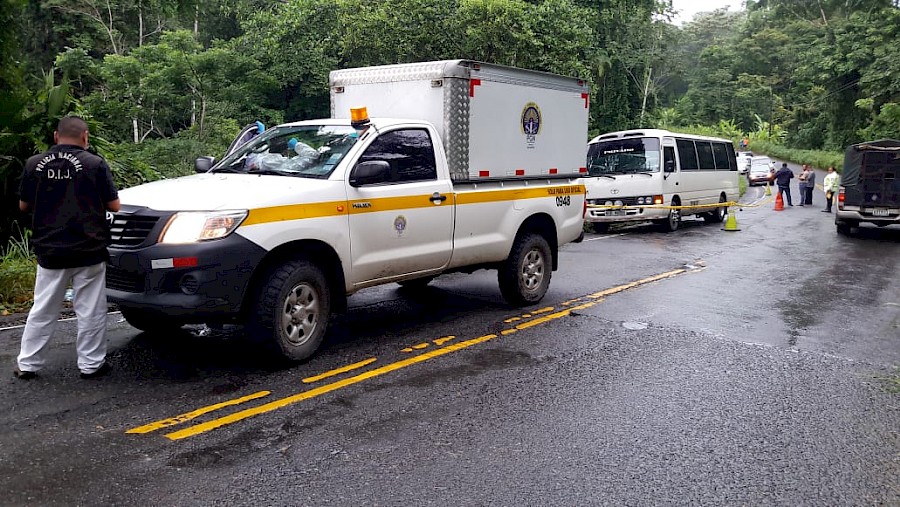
column 370, row 172
column 669, row 166
column 203, row 164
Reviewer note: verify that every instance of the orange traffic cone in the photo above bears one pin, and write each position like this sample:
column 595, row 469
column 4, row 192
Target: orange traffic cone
column 779, row 202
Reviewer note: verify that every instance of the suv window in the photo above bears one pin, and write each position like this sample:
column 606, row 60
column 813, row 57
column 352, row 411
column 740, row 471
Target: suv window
column 409, row 152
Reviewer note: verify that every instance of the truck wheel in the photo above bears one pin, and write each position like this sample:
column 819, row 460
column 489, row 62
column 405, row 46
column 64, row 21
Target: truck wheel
column 293, row 309
column 525, row 276
column 148, row 321
column 844, row 228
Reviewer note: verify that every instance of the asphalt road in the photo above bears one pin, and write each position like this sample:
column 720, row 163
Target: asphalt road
column 756, row 367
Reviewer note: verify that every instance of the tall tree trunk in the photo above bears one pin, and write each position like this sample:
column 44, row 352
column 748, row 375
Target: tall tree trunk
column 646, row 92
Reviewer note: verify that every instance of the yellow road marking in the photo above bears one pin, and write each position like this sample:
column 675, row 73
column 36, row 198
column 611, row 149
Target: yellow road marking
column 327, row 388
column 441, row 341
column 631, row 285
column 289, row 400
column 178, row 419
column 338, row 371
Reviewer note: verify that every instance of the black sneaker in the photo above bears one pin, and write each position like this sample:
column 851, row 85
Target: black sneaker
column 101, row 371
column 24, row 375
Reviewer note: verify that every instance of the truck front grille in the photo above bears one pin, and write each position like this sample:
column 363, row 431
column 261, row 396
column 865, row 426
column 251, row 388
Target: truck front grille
column 130, row 231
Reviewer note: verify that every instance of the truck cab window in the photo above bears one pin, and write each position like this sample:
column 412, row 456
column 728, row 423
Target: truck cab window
column 409, row 152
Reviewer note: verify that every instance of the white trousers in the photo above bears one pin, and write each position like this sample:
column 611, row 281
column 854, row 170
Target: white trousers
column 89, row 285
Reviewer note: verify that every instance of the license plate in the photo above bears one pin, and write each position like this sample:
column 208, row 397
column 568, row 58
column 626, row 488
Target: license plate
column 615, row 212
column 880, row 212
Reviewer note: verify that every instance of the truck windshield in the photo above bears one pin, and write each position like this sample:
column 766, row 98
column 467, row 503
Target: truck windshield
column 623, row 156
column 310, row 151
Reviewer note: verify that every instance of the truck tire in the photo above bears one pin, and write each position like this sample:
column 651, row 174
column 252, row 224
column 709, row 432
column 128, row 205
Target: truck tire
column 844, row 228
column 525, row 276
column 293, row 309
column 148, row 321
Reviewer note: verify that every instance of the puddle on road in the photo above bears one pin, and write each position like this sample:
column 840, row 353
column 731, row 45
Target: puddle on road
column 635, row 326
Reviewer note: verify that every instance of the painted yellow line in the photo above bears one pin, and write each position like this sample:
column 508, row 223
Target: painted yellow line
column 340, row 384
column 631, row 285
column 441, row 341
column 338, row 371
column 327, row 388
column 178, row 419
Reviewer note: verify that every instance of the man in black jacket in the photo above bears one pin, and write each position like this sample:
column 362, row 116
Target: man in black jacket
column 783, row 179
column 69, row 191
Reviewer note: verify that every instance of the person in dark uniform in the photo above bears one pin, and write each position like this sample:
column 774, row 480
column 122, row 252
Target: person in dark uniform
column 68, row 190
column 783, row 178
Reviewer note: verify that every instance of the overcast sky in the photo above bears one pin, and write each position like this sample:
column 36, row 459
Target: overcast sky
column 687, row 8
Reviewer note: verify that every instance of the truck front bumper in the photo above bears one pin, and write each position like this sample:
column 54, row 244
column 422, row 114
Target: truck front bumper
column 192, row 282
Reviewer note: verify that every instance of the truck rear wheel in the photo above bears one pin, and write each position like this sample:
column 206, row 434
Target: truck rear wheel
column 148, row 321
column 293, row 309
column 525, row 276
column 845, row 228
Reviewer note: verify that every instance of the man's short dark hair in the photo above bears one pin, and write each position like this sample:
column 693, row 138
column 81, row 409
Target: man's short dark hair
column 784, row 164
column 71, row 127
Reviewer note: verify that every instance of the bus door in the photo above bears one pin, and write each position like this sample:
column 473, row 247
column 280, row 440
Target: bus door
column 671, row 172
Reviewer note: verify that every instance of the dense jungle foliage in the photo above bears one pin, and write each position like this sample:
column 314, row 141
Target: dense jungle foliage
column 162, row 81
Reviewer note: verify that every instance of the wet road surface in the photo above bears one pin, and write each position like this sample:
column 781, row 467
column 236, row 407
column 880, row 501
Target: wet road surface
column 759, row 371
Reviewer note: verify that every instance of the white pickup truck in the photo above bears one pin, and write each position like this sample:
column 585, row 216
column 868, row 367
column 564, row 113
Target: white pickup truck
column 462, row 166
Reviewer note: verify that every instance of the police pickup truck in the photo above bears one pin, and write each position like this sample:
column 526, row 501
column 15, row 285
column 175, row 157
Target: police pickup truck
column 423, row 169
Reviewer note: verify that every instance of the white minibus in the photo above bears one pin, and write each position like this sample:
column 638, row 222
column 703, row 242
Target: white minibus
column 632, row 169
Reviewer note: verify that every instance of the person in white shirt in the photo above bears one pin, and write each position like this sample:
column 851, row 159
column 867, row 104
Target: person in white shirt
column 831, row 184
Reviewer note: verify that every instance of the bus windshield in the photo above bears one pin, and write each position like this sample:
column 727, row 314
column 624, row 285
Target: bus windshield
column 624, row 156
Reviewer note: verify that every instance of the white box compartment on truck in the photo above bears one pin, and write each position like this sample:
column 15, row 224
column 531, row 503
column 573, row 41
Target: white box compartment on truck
column 481, row 112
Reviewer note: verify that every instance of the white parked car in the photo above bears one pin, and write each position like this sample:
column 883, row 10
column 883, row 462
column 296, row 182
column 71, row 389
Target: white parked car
column 744, row 159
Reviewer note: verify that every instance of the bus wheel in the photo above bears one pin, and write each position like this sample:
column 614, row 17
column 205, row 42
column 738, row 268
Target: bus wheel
column 717, row 215
column 671, row 223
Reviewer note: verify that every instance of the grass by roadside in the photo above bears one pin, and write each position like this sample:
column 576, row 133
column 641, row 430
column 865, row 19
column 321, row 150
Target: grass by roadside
column 816, row 158
column 892, row 382
column 17, row 268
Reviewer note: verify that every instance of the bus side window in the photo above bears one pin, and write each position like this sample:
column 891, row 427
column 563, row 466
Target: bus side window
column 687, row 155
column 720, row 154
column 669, row 159
column 705, row 154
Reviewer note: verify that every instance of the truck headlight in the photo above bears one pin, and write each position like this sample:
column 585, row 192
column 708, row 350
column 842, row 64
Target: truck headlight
column 193, row 226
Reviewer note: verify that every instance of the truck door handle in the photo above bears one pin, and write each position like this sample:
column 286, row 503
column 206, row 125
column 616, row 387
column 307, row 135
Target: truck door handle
column 436, row 198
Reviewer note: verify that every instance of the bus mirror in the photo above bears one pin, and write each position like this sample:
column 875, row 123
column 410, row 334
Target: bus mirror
column 669, row 166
